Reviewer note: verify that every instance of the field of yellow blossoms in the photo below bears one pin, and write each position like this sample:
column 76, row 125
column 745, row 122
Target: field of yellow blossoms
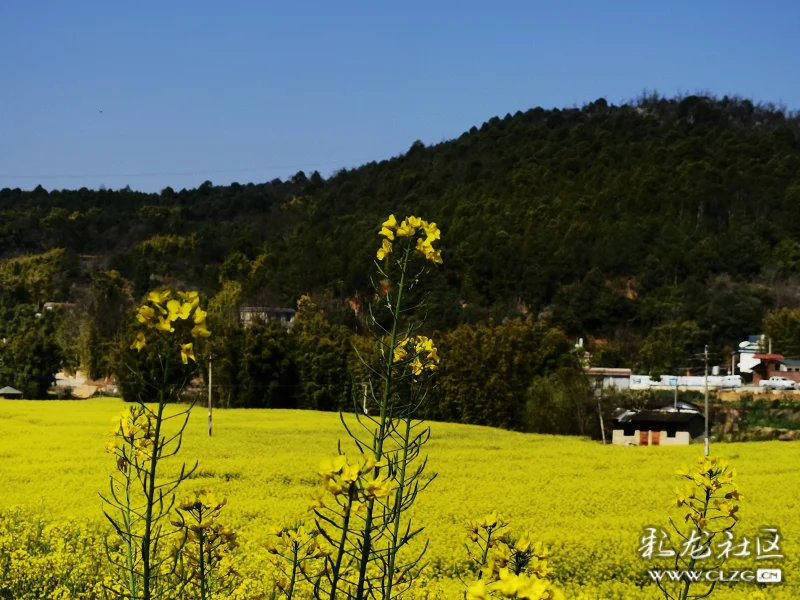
column 588, row 503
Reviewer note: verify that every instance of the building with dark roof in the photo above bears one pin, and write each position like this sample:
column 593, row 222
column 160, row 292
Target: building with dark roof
column 789, row 365
column 667, row 425
column 10, row 393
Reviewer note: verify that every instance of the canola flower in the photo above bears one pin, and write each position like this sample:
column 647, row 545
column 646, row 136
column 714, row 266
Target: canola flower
column 204, row 546
column 360, row 506
column 709, row 506
column 162, row 314
column 508, row 566
column 428, row 233
column 293, row 551
column 344, row 477
column 510, row 585
column 131, row 437
column 711, row 503
column 139, row 497
column 296, row 540
column 419, row 352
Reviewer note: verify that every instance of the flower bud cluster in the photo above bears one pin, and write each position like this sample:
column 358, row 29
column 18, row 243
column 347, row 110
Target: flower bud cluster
column 161, row 313
column 392, row 231
column 510, row 567
column 419, row 352
column 132, row 436
column 710, row 501
column 352, row 478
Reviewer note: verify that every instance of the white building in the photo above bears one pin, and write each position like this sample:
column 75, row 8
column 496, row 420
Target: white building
column 618, row 379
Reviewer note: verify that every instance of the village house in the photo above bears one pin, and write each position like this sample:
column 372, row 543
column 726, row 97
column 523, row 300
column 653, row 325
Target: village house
column 674, row 423
column 10, row 393
column 789, row 365
column 775, row 365
column 744, row 359
column 755, row 358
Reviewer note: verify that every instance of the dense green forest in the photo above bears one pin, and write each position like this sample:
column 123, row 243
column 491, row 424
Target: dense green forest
column 648, row 229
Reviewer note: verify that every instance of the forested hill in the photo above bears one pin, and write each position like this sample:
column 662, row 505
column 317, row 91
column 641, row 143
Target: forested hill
column 605, row 221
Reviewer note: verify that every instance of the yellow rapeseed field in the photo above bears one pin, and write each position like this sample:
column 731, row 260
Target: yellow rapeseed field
column 589, row 503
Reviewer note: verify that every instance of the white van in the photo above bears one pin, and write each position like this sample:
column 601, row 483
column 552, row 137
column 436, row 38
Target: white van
column 731, row 381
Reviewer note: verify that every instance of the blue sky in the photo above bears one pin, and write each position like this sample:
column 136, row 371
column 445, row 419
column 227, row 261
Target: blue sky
column 253, row 90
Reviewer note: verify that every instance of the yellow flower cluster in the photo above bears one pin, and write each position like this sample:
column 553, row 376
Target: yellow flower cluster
column 343, row 477
column 131, row 437
column 204, row 504
column 203, row 540
column 488, row 523
column 710, row 503
column 521, row 554
column 161, row 314
column 408, row 228
column 510, row 568
column 288, row 549
column 510, row 585
column 202, row 500
column 423, row 354
column 218, row 542
column 296, row 541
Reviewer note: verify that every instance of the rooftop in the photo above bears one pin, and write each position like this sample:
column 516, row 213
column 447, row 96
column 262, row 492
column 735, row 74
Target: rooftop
column 777, row 357
column 657, row 416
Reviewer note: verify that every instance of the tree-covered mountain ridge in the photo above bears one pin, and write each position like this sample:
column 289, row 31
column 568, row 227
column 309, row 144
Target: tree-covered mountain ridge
column 606, row 221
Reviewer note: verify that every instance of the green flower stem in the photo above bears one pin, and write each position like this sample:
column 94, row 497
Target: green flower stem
column 340, row 554
column 684, row 595
column 485, row 551
column 290, row 591
column 132, row 587
column 398, row 501
column 203, row 584
column 378, row 449
column 150, row 493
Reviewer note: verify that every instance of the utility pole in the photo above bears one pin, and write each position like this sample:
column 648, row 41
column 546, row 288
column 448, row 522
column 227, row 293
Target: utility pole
column 209, row 395
column 705, row 358
column 599, row 394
